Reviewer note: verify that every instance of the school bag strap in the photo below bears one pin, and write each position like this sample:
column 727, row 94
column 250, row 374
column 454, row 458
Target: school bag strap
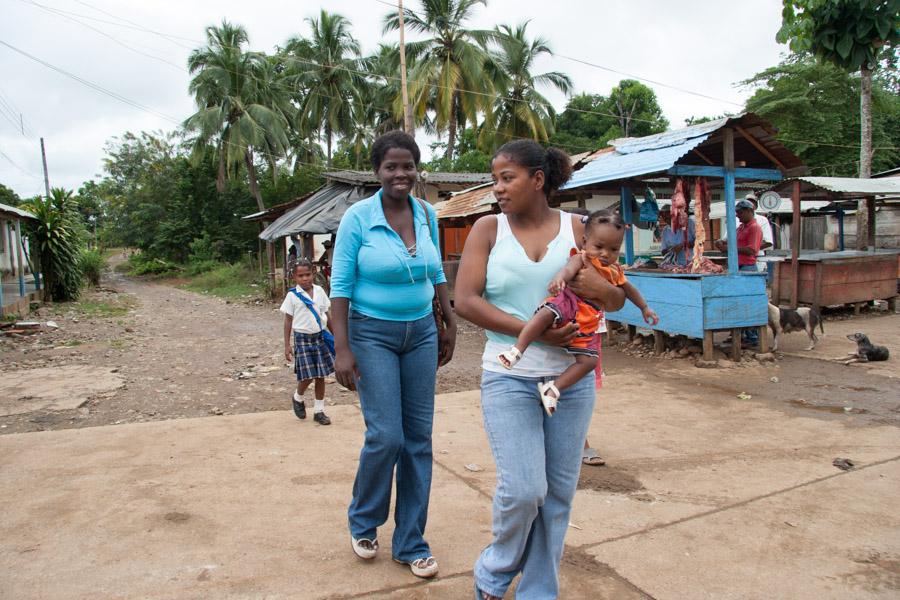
column 326, row 335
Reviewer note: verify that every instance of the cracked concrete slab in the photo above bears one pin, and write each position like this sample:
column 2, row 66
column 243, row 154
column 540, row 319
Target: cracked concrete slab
column 55, row 388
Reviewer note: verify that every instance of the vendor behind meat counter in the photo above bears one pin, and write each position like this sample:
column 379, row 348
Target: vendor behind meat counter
column 673, row 241
column 749, row 240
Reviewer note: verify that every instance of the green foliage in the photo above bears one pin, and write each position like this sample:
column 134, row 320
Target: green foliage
column 56, row 238
column 227, row 281
column 591, row 120
column 519, row 110
column 851, row 34
column 807, row 101
column 142, row 264
column 467, row 157
column 8, row 197
column 91, row 263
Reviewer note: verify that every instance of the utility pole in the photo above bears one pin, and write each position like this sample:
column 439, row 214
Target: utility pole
column 44, row 160
column 408, row 126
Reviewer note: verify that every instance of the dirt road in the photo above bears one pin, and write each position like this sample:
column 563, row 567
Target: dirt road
column 141, row 351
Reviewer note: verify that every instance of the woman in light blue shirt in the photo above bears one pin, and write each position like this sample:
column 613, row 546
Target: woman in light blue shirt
column 386, row 269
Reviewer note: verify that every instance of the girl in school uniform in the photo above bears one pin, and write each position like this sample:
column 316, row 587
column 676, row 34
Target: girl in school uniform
column 305, row 311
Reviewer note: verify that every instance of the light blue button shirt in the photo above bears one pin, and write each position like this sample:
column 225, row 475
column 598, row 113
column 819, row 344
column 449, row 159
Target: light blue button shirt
column 373, row 268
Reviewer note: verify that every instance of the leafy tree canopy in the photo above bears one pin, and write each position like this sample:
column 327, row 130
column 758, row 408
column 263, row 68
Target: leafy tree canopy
column 807, row 101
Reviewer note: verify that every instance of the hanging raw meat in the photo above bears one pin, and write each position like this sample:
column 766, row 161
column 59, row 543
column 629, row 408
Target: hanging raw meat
column 679, row 207
column 701, row 210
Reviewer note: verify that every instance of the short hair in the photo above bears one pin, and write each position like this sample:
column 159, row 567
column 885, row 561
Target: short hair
column 393, row 139
column 301, row 262
column 604, row 217
column 555, row 164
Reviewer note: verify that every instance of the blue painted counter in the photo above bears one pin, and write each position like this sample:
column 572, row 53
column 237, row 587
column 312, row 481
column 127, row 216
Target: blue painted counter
column 693, row 304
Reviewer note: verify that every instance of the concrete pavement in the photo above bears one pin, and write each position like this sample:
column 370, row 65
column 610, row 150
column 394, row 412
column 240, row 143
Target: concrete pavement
column 706, row 496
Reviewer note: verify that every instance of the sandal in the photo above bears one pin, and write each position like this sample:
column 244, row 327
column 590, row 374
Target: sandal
column 509, row 358
column 549, row 396
column 421, row 567
column 590, row 457
column 364, row 548
column 480, row 595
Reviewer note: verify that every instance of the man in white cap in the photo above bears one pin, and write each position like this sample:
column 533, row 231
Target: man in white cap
column 764, row 225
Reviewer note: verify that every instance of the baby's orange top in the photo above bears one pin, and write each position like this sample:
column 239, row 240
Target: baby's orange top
column 612, row 273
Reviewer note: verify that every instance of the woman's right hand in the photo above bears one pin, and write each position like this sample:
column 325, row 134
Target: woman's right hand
column 559, row 336
column 345, row 370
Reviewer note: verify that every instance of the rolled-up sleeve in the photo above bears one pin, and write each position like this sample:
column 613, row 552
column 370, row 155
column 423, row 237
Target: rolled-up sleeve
column 438, row 276
column 343, row 261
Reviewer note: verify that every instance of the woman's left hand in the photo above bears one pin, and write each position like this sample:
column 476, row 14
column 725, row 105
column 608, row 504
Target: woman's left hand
column 446, row 344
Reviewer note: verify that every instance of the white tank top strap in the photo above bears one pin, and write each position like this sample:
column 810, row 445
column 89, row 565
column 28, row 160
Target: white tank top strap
column 503, row 229
column 565, row 228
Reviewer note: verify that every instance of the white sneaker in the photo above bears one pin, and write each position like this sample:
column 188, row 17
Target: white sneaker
column 364, row 548
column 421, row 567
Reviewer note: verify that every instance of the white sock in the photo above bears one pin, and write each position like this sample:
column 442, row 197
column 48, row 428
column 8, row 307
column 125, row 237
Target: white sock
column 319, row 406
column 298, row 397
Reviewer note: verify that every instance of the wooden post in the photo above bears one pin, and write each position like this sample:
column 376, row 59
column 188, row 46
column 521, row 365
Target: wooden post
column 17, row 251
column 736, row 344
column 629, row 233
column 659, row 342
column 870, row 217
column 817, row 286
column 795, row 244
column 730, row 217
column 708, row 348
column 764, row 339
column 840, row 216
column 632, row 330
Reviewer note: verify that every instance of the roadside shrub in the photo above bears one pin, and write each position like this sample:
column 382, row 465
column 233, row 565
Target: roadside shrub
column 140, row 264
column 202, row 266
column 91, row 263
column 56, row 239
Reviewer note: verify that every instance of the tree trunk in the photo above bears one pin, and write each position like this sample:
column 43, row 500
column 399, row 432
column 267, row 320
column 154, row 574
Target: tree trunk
column 451, row 127
column 865, row 152
column 328, row 144
column 220, row 174
column 254, row 191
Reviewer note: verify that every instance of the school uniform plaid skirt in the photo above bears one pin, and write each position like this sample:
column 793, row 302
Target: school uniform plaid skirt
column 311, row 356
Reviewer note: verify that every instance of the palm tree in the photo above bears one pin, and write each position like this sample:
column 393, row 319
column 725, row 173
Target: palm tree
column 326, row 70
column 446, row 69
column 242, row 105
column 519, row 111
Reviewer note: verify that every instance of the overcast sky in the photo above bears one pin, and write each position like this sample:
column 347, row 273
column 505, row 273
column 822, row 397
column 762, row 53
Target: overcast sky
column 705, row 46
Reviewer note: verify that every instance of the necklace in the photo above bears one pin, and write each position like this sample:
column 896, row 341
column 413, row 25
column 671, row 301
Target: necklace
column 411, row 249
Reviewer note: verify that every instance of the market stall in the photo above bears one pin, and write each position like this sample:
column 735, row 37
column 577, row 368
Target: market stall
column 724, row 151
column 846, row 277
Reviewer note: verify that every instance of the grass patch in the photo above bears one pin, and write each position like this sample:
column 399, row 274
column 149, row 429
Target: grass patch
column 72, row 343
column 105, row 308
column 117, row 344
column 226, row 281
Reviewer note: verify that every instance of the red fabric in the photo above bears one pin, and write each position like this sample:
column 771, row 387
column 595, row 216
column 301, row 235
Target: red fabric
column 749, row 235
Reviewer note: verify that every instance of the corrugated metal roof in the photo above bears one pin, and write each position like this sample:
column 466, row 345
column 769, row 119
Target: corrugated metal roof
column 321, row 213
column 12, row 211
column 473, row 201
column 632, row 157
column 273, row 212
column 717, row 209
column 436, row 178
column 849, row 185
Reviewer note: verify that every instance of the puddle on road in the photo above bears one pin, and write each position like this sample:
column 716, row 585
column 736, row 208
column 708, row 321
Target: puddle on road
column 831, row 408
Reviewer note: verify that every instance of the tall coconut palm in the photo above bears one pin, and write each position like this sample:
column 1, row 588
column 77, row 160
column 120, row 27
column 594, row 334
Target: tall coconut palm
column 519, row 111
column 446, row 70
column 241, row 104
column 326, row 69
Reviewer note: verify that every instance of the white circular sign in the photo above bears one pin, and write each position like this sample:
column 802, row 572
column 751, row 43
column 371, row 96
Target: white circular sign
column 769, row 200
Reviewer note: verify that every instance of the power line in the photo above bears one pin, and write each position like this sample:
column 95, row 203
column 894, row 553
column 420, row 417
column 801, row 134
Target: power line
column 133, row 25
column 59, row 13
column 13, row 163
column 92, row 85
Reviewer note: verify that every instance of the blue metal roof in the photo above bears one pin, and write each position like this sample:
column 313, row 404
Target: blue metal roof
column 644, row 155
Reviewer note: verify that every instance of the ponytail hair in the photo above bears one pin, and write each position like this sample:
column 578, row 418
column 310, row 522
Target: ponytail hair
column 553, row 162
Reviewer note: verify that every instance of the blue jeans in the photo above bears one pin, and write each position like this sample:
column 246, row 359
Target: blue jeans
column 749, row 336
column 538, row 462
column 397, row 362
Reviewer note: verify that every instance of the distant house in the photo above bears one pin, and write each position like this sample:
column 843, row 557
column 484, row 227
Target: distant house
column 14, row 253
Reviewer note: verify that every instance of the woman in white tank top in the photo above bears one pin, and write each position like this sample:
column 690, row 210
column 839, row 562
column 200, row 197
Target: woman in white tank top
column 506, row 266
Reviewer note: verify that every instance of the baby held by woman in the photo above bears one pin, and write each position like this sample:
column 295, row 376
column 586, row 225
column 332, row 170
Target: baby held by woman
column 603, row 233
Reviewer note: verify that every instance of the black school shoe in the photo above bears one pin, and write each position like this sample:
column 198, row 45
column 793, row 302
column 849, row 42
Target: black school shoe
column 299, row 409
column 321, row 418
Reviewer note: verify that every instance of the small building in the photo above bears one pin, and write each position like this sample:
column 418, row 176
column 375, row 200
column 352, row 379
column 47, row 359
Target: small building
column 14, row 261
